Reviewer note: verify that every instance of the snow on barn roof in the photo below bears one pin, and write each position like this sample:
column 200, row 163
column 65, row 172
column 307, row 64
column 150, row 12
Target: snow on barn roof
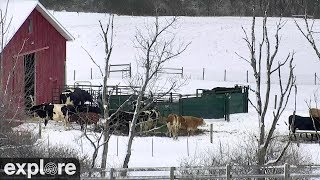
column 19, row 10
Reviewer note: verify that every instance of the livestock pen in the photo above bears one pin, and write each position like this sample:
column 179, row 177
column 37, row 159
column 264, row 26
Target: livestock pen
column 215, row 103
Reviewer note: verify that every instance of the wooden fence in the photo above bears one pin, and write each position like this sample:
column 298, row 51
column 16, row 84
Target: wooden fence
column 228, row 172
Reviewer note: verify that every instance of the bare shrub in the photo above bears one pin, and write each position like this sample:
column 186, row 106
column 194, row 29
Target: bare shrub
column 15, row 144
column 243, row 157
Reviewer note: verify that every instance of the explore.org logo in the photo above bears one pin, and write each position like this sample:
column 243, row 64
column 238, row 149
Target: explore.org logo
column 39, row 168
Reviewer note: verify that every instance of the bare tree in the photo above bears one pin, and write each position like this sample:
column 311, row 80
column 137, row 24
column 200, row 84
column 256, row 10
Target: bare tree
column 263, row 58
column 155, row 49
column 107, row 36
column 308, row 32
column 4, row 25
column 10, row 104
column 10, row 100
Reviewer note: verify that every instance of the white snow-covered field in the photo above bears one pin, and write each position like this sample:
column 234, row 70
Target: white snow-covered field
column 214, row 41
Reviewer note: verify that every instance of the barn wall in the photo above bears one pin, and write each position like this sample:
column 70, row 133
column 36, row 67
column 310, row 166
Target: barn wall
column 49, row 64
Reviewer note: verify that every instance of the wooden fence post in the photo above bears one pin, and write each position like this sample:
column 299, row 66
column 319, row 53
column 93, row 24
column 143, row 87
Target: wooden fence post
column 211, row 133
column 152, row 147
column 202, row 73
column 182, row 72
column 111, row 173
column 48, row 146
column 117, row 90
column 172, row 169
column 247, row 76
column 108, row 75
column 225, row 75
column 130, row 70
column 228, row 172
column 188, row 146
column 39, row 129
column 286, row 171
column 117, row 145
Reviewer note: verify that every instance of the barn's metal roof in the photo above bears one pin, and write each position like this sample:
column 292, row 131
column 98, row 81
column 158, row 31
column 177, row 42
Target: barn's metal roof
column 17, row 13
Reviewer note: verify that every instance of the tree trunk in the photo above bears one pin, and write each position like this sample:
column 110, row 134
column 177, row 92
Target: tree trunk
column 132, row 130
column 106, row 130
column 94, row 157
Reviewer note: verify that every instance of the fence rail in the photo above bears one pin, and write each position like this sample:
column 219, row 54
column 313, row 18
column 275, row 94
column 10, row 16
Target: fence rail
column 228, row 172
column 212, row 74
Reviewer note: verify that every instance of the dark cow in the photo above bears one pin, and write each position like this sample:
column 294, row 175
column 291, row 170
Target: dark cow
column 76, row 97
column 84, row 118
column 83, row 115
column 89, row 108
column 303, row 123
column 119, row 122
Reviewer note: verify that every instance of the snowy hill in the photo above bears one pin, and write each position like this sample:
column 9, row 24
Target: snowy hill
column 214, row 43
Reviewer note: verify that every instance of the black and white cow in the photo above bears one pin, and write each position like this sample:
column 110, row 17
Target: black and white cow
column 75, row 97
column 44, row 111
column 148, row 119
column 48, row 111
column 67, row 113
column 119, row 122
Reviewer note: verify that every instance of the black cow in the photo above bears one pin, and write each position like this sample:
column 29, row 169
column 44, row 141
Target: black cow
column 119, row 122
column 89, row 108
column 303, row 123
column 76, row 97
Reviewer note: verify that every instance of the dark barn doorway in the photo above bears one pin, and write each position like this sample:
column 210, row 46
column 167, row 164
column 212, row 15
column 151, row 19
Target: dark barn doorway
column 29, row 79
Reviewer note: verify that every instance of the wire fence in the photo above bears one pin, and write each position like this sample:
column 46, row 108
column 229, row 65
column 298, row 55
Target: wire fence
column 209, row 74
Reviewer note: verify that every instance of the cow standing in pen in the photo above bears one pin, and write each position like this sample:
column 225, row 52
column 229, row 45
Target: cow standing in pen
column 73, row 109
column 175, row 123
column 75, row 97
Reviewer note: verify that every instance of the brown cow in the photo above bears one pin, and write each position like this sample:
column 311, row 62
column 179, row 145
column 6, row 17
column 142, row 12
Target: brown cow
column 173, row 125
column 84, row 118
column 190, row 123
column 313, row 112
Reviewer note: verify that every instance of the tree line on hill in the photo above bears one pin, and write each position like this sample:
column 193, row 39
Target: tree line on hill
column 285, row 8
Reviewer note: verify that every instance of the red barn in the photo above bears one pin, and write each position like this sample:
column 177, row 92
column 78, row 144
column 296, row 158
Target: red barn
column 34, row 54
